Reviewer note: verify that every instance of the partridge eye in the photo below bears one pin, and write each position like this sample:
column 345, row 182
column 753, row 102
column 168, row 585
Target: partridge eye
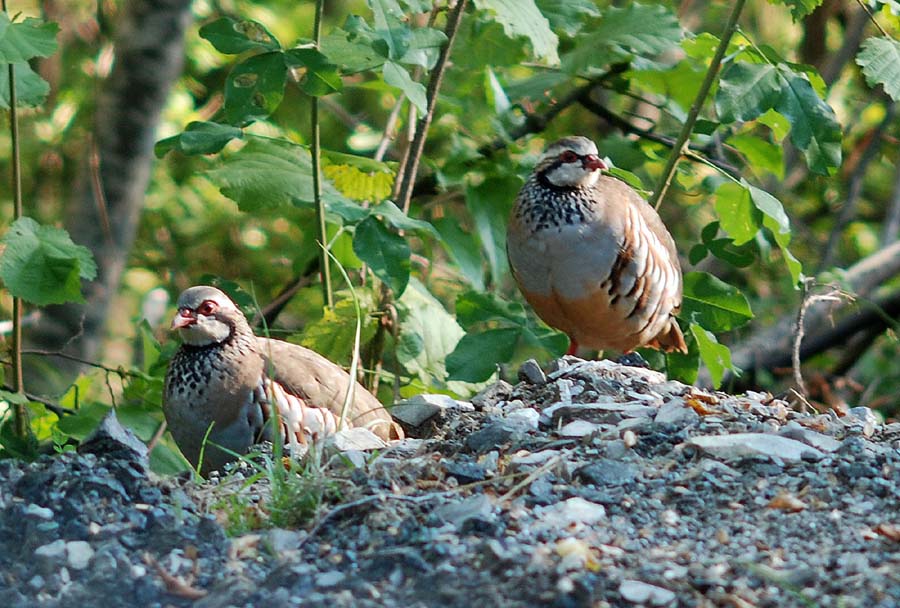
column 207, row 308
column 568, row 157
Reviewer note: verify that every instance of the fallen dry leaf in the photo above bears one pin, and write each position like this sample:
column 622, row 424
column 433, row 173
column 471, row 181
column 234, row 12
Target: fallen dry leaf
column 698, row 406
column 786, row 502
column 174, row 584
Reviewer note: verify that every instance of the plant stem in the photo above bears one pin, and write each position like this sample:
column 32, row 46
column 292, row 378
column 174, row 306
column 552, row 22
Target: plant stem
column 411, row 166
column 18, row 384
column 683, row 137
column 324, row 268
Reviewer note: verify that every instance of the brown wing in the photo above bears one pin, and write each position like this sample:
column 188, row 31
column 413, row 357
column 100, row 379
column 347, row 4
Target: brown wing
column 320, row 383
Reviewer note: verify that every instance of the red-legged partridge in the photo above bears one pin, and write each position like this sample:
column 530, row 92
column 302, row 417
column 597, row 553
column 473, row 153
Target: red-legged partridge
column 226, row 380
column 592, row 257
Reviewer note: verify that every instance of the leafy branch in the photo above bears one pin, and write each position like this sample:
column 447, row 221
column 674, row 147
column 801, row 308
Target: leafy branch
column 315, row 151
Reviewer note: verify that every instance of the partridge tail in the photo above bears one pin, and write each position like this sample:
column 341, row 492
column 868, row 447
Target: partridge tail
column 670, row 338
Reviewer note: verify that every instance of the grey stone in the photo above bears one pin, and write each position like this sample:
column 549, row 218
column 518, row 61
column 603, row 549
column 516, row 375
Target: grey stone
column 79, row 554
column 742, row 445
column 465, row 472
column 531, row 373
column 39, row 512
column 639, row 592
column 675, row 412
column 580, row 428
column 606, row 472
column 493, row 394
column 525, row 419
column 491, row 436
column 820, row 441
column 330, row 579
column 478, row 506
column 572, row 512
column 356, row 438
column 110, row 437
column 281, row 541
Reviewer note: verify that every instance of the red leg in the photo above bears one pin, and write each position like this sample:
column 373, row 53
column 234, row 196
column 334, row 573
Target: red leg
column 573, row 347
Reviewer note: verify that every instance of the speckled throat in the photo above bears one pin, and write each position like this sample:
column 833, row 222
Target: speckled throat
column 541, row 205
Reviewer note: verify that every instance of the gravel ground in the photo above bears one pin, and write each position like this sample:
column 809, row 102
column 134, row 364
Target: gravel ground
column 594, row 485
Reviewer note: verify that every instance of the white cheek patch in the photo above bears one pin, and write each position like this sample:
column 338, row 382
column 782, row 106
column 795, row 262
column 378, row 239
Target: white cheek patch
column 206, row 330
column 572, row 174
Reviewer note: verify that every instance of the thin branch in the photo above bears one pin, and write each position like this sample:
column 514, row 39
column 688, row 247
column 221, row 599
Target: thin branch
column 110, row 370
column 872, row 18
column 324, row 266
column 694, row 112
column 411, row 167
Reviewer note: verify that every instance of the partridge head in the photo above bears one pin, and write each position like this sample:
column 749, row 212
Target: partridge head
column 592, row 258
column 226, row 381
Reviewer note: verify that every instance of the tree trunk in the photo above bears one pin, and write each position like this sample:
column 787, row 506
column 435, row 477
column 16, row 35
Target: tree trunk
column 104, row 210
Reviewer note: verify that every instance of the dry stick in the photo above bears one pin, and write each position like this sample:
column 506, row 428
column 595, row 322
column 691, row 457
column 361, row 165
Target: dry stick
column 411, row 167
column 20, row 413
column 872, row 18
column 324, row 268
column 694, row 112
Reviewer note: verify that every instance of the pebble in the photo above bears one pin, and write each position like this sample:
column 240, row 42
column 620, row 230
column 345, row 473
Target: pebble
column 79, row 554
column 742, row 445
column 638, row 592
column 607, row 472
column 675, row 412
column 532, row 373
column 572, row 512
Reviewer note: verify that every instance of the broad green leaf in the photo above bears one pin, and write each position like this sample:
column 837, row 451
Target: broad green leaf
column 233, row 37
column 255, row 88
column 321, row 76
column 814, row 127
column 799, row 8
column 399, row 220
column 26, row 40
column 713, row 303
column 567, row 17
column 783, row 239
column 386, row 253
column 770, row 206
column 387, row 16
column 463, row 249
column 397, row 76
column 477, row 354
column 199, row 138
column 166, row 460
column 716, row 357
column 522, row 18
column 424, row 47
column 475, row 308
column 269, row 173
column 489, row 204
column 761, row 155
column 333, row 335
column 436, row 331
column 352, row 53
column 645, row 30
column 678, row 84
column 738, row 217
column 31, row 89
column 880, row 62
column 684, row 367
column 42, row 265
column 360, row 185
column 41, row 420
column 83, row 422
column 482, row 39
column 746, row 90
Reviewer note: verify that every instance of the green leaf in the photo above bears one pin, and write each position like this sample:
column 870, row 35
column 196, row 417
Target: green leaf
column 26, row 40
column 255, row 88
column 716, row 357
column 424, row 47
column 746, row 90
column 233, row 37
column 567, row 17
column 397, row 76
column 353, row 53
column 770, row 206
column 637, row 29
column 475, row 308
column 475, row 357
column 31, row 89
column 761, row 155
column 389, row 27
column 321, row 76
column 199, row 138
column 522, row 18
column 489, row 203
column 399, row 220
column 334, row 334
column 880, row 63
column 737, row 215
column 814, row 127
column 435, row 330
column 386, row 253
column 360, row 185
column 799, row 8
column 783, row 239
column 83, row 422
column 42, row 265
column 463, row 249
column 269, row 173
column 712, row 303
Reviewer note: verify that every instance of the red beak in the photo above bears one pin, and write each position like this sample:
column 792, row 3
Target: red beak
column 593, row 162
column 184, row 318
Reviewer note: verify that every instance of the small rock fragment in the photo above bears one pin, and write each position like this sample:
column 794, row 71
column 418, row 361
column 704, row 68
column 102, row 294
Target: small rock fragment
column 675, row 412
column 580, row 428
column 639, row 592
column 820, row 441
column 531, row 373
column 741, row 445
column 575, row 511
column 478, row 506
column 465, row 472
column 525, row 419
column 607, row 472
column 79, row 554
column 356, row 438
column 110, row 437
column 417, row 410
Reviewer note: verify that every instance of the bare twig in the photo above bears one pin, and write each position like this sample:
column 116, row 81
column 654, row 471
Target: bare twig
column 411, row 167
column 157, row 436
column 694, row 111
column 799, row 330
column 110, row 370
column 872, row 18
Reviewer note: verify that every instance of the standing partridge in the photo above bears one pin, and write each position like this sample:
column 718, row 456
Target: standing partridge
column 592, row 258
column 225, row 380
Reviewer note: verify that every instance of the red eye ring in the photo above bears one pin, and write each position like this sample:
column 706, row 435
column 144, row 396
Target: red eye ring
column 207, row 307
column 568, row 156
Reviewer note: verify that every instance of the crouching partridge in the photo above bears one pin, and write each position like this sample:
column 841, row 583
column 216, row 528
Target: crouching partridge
column 592, row 258
column 225, row 380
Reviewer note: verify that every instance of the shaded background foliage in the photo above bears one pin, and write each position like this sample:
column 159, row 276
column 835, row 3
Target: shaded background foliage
column 796, row 117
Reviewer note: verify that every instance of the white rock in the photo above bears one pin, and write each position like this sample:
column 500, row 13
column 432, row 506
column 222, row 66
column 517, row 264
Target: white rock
column 51, row 551
column 79, row 554
column 33, row 510
column 575, row 511
column 357, row 438
column 530, row 459
column 740, row 445
column 820, row 441
column 638, row 592
column 420, row 408
column 579, row 428
column 525, row 419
